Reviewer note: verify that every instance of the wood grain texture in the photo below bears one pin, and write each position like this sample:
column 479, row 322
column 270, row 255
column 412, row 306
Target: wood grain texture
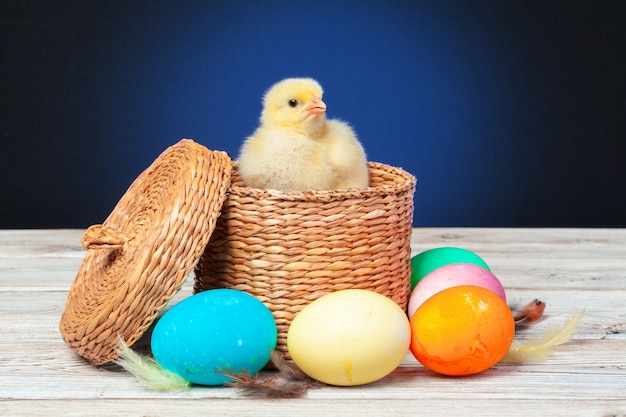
column 566, row 268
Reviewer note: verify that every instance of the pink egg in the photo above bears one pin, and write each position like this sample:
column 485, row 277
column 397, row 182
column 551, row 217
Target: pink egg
column 453, row 275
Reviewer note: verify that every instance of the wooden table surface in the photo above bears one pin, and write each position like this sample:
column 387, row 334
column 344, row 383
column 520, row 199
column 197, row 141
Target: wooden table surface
column 567, row 268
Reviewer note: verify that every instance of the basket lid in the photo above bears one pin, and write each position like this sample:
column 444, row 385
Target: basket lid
column 140, row 256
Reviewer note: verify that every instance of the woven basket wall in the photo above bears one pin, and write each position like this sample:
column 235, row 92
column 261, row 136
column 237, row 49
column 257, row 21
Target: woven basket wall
column 290, row 248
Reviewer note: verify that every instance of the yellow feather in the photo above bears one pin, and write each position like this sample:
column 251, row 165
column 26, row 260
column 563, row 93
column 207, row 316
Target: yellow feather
column 149, row 373
column 537, row 349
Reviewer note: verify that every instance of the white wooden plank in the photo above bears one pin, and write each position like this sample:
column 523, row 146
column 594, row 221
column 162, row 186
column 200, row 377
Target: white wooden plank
column 435, row 407
column 567, row 268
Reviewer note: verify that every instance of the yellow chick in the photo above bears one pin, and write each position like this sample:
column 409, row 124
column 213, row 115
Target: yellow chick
column 295, row 148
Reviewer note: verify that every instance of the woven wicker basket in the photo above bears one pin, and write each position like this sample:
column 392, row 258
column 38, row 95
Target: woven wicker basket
column 290, row 248
column 287, row 249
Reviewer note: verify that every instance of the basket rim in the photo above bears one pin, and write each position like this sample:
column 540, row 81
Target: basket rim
column 408, row 183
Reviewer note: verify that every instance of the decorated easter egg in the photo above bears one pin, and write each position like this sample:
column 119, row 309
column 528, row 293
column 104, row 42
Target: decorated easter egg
column 214, row 330
column 452, row 275
column 462, row 330
column 349, row 337
column 425, row 262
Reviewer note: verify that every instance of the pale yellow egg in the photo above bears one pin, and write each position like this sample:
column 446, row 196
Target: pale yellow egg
column 349, row 337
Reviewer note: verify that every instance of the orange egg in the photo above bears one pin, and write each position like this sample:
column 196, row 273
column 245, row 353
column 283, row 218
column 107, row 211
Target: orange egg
column 462, row 330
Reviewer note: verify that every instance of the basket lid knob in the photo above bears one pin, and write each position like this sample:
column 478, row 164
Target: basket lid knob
column 102, row 237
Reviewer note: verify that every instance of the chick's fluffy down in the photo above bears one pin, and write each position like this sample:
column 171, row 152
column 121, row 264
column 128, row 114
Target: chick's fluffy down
column 295, row 148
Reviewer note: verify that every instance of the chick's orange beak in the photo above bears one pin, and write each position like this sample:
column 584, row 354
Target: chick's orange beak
column 316, row 106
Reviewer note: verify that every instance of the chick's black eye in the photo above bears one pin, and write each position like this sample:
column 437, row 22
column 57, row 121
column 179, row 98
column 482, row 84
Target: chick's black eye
column 293, row 102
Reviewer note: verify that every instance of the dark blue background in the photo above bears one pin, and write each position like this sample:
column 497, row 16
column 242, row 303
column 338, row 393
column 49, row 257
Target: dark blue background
column 509, row 113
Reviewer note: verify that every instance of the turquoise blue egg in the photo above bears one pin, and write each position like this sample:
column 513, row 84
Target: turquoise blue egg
column 213, row 330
